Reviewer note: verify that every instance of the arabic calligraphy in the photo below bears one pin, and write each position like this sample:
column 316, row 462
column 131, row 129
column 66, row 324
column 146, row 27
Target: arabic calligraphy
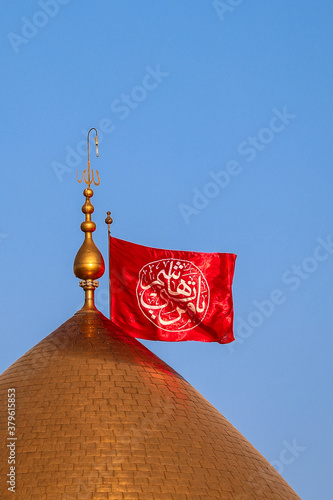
column 173, row 294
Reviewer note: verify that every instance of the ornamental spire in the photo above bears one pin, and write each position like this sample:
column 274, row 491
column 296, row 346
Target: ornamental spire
column 89, row 263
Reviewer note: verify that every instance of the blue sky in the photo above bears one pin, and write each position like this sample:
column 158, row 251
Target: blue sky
column 215, row 126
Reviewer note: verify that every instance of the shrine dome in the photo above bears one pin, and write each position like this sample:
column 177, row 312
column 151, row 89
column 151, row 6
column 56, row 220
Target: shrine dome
column 99, row 416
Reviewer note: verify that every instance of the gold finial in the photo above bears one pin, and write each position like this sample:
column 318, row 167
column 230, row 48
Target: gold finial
column 89, row 263
column 108, row 221
column 87, row 175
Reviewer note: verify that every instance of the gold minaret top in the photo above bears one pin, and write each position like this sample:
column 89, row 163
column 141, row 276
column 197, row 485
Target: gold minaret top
column 89, row 263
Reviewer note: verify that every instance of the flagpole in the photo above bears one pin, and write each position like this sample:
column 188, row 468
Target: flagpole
column 109, row 221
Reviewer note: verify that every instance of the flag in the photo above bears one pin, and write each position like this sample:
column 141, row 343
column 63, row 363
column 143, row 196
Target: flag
column 171, row 295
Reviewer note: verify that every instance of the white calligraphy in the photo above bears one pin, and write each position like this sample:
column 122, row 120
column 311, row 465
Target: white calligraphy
column 173, row 294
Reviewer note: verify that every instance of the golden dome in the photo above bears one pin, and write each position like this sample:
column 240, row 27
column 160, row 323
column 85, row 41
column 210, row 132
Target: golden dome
column 98, row 416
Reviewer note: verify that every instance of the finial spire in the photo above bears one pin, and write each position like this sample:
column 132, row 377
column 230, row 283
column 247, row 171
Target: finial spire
column 89, row 263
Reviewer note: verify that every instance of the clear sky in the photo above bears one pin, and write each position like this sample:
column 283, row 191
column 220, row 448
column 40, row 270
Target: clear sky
column 215, row 126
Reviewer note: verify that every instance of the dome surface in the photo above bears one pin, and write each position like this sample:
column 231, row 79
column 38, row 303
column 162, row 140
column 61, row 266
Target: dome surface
column 98, row 416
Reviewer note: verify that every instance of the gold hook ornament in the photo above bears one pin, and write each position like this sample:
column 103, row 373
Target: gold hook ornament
column 87, row 175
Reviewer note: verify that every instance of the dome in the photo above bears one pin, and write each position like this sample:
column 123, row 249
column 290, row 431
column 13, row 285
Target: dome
column 99, row 416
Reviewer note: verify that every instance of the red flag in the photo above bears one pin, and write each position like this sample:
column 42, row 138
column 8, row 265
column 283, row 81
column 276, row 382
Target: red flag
column 171, row 295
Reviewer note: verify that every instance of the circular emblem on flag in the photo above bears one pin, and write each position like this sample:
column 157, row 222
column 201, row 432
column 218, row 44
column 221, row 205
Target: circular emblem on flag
column 173, row 294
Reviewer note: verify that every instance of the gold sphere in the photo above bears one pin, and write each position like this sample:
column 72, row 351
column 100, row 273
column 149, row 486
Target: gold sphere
column 88, row 226
column 88, row 192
